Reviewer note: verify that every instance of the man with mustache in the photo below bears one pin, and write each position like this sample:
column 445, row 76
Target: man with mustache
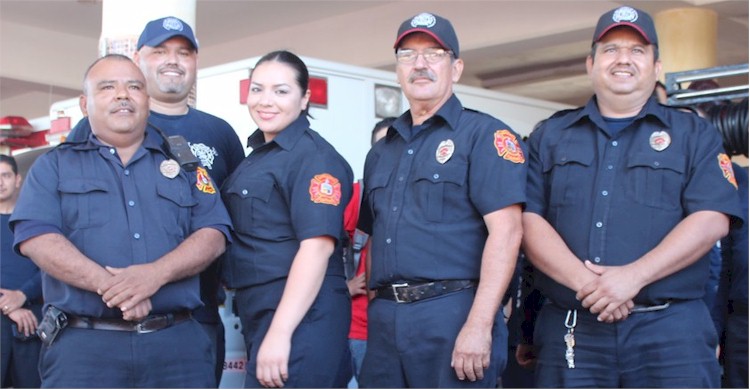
column 625, row 199
column 167, row 54
column 443, row 193
column 120, row 231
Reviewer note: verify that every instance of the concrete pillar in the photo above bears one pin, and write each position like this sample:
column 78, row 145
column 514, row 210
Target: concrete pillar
column 687, row 39
column 124, row 20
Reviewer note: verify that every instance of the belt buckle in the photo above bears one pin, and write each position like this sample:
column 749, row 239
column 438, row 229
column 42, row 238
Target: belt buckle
column 141, row 327
column 395, row 292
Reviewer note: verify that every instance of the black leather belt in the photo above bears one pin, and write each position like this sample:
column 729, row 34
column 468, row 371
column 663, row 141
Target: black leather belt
column 147, row 325
column 412, row 292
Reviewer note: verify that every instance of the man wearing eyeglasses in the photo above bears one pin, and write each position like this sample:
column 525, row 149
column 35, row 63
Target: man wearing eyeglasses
column 442, row 203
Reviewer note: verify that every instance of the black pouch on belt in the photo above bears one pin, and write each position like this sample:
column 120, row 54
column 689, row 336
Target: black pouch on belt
column 53, row 322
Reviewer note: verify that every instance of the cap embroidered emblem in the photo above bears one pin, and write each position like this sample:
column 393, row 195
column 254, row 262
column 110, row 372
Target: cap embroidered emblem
column 625, row 14
column 659, row 140
column 203, row 181
column 423, row 20
column 325, row 189
column 172, row 24
column 508, row 147
column 445, row 151
column 726, row 169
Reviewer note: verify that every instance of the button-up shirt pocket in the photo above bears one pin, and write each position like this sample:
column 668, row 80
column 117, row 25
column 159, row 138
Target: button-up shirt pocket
column 440, row 191
column 176, row 203
column 656, row 180
column 570, row 176
column 84, row 203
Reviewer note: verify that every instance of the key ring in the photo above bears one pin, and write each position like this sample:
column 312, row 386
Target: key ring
column 568, row 323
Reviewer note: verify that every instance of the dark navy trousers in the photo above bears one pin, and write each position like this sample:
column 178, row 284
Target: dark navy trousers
column 20, row 358
column 175, row 357
column 320, row 343
column 670, row 348
column 411, row 344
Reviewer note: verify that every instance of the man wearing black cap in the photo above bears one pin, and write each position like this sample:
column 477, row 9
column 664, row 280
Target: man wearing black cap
column 442, row 201
column 625, row 199
column 167, row 53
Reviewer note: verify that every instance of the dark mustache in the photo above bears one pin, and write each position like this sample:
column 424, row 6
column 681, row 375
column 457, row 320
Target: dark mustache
column 422, row 73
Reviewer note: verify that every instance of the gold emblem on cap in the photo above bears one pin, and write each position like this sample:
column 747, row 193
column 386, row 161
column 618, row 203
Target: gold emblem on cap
column 659, row 140
column 169, row 168
column 445, row 151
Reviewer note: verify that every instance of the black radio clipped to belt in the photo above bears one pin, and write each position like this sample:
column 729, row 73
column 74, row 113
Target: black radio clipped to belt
column 53, row 322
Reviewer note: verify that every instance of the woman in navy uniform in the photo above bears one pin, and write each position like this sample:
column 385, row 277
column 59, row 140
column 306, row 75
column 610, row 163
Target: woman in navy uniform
column 287, row 199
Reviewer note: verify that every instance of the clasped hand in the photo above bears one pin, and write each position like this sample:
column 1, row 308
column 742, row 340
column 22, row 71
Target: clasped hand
column 130, row 289
column 611, row 294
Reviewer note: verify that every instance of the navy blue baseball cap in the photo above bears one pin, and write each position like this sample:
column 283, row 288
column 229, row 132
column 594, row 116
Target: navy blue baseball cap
column 435, row 26
column 159, row 30
column 627, row 16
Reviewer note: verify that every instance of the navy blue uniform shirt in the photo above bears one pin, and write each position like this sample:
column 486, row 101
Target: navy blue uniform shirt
column 213, row 141
column 614, row 197
column 17, row 272
column 116, row 215
column 426, row 193
column 290, row 189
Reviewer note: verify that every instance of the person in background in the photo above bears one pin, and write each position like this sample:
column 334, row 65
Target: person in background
column 730, row 308
column 357, row 284
column 442, row 204
column 20, row 294
column 167, row 54
column 287, row 201
column 626, row 197
column 120, row 231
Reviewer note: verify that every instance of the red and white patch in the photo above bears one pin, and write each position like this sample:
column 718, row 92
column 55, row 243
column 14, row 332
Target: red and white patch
column 508, row 147
column 203, row 181
column 725, row 163
column 325, row 189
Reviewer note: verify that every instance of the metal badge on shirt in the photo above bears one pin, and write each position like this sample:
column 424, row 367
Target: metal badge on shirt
column 169, row 168
column 445, row 151
column 325, row 189
column 659, row 140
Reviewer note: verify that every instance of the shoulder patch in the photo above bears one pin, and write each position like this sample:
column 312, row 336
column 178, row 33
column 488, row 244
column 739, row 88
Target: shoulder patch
column 325, row 189
column 725, row 163
column 508, row 147
column 203, row 181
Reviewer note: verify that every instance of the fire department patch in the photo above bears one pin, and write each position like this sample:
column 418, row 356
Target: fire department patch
column 325, row 189
column 726, row 168
column 203, row 181
column 507, row 147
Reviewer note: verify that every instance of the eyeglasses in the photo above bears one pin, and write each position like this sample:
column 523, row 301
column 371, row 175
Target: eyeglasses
column 432, row 56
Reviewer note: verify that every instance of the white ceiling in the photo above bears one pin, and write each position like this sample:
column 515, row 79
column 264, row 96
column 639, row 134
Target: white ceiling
column 532, row 48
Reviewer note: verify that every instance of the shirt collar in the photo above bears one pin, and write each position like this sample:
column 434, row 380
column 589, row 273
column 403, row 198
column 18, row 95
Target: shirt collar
column 286, row 139
column 450, row 112
column 591, row 112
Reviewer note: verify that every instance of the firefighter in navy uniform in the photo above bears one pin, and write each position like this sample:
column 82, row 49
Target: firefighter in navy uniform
column 120, row 232
column 625, row 199
column 442, row 204
column 287, row 201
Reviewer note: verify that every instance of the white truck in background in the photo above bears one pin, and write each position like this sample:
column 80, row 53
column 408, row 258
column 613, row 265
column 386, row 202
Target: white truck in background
column 355, row 98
